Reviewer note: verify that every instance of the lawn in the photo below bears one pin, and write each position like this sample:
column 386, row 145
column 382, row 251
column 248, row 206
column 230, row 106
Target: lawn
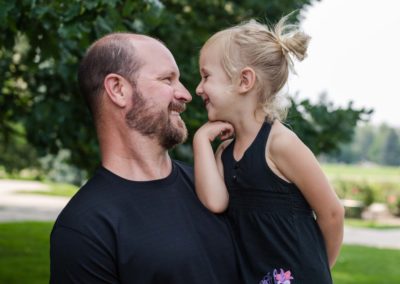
column 362, row 173
column 364, row 265
column 55, row 189
column 371, row 224
column 24, row 251
column 367, row 184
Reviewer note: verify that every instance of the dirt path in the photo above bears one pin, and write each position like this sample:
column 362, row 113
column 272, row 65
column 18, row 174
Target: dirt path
column 15, row 206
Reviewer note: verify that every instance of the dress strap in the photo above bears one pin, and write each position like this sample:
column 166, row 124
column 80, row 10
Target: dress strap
column 260, row 142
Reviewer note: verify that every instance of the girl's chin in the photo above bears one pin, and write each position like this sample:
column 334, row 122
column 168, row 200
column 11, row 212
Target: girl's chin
column 211, row 117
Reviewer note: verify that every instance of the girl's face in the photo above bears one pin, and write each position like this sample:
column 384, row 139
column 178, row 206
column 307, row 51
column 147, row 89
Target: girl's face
column 215, row 85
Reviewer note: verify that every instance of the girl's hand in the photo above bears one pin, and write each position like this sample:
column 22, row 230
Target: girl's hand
column 212, row 130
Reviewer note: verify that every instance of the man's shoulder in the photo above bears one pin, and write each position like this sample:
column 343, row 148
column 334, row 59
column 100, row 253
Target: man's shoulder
column 185, row 169
column 90, row 202
column 183, row 165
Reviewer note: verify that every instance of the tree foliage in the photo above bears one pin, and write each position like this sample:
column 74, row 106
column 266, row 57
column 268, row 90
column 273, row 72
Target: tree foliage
column 323, row 126
column 375, row 144
column 41, row 43
column 391, row 149
column 14, row 146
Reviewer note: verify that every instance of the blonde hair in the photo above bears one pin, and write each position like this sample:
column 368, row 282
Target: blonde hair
column 268, row 51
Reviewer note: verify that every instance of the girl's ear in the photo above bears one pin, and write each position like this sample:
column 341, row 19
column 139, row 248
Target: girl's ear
column 247, row 80
column 117, row 89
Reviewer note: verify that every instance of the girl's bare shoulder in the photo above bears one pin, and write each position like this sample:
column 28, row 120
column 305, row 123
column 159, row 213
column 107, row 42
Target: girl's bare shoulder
column 281, row 138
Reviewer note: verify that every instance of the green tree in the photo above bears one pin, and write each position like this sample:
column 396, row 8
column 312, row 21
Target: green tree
column 16, row 152
column 375, row 151
column 41, row 43
column 357, row 150
column 364, row 139
column 378, row 144
column 391, row 149
column 323, row 127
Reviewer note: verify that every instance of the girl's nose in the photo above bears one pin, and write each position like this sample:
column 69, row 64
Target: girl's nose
column 199, row 89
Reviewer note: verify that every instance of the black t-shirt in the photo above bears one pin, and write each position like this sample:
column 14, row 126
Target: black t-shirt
column 120, row 231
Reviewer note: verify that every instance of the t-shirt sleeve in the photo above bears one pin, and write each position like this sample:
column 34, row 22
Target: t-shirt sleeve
column 76, row 258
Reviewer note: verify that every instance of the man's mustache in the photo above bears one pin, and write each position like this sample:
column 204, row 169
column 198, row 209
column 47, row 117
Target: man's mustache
column 178, row 107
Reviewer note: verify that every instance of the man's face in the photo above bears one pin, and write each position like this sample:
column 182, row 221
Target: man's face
column 145, row 118
column 159, row 97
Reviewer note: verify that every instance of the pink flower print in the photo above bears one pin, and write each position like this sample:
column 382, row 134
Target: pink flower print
column 283, row 277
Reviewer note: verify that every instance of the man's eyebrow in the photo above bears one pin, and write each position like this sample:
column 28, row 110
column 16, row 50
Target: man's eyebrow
column 169, row 73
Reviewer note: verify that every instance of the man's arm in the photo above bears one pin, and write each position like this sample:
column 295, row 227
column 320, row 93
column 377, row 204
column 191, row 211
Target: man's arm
column 75, row 258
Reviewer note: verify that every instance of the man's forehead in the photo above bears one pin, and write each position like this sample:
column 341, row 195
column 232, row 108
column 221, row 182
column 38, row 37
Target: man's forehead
column 137, row 39
column 152, row 46
column 157, row 68
column 156, row 55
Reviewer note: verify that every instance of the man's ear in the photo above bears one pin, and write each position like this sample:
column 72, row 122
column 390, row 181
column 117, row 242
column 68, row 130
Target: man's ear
column 117, row 88
column 247, row 80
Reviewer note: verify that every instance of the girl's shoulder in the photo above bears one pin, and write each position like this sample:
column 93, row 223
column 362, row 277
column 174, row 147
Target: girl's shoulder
column 282, row 140
column 281, row 132
column 286, row 152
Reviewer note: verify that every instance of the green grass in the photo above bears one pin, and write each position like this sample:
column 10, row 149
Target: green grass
column 360, row 173
column 27, row 174
column 24, row 252
column 55, row 189
column 359, row 264
column 24, row 258
column 366, row 183
column 371, row 224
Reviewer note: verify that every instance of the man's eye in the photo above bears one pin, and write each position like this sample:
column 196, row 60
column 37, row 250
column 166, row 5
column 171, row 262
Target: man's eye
column 167, row 80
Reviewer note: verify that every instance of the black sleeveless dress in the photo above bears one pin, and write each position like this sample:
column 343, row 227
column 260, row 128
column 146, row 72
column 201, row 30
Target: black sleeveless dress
column 277, row 237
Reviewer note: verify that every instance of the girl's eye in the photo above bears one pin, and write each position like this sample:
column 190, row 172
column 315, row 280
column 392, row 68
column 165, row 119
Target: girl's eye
column 205, row 76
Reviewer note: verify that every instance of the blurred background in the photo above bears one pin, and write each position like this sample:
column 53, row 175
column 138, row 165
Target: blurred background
column 343, row 105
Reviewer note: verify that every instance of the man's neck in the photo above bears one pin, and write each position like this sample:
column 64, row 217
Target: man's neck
column 139, row 159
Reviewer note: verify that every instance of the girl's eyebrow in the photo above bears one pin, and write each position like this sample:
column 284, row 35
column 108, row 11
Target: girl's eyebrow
column 203, row 70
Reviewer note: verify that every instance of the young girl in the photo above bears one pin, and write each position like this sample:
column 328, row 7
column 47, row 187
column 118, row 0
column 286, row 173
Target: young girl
column 286, row 219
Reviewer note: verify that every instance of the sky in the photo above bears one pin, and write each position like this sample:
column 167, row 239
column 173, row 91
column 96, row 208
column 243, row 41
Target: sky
column 354, row 55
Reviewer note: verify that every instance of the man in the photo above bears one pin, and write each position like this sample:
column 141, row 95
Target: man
column 138, row 220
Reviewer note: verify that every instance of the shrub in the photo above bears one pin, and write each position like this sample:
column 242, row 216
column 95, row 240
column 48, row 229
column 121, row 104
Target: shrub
column 360, row 191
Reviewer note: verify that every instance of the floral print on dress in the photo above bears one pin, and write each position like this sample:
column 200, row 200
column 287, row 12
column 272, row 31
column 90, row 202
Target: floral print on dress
column 267, row 279
column 283, row 277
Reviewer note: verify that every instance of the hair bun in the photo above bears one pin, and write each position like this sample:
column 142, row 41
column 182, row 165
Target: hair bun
column 291, row 39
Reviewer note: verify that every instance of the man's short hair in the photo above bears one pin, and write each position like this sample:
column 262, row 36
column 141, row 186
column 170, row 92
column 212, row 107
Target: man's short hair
column 113, row 53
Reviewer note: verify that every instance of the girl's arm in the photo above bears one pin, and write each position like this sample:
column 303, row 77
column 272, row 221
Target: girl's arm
column 209, row 181
column 298, row 164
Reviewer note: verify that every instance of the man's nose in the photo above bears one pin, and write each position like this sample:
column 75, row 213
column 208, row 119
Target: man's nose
column 183, row 94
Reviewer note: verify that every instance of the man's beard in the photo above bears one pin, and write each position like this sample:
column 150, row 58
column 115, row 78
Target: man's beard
column 148, row 122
